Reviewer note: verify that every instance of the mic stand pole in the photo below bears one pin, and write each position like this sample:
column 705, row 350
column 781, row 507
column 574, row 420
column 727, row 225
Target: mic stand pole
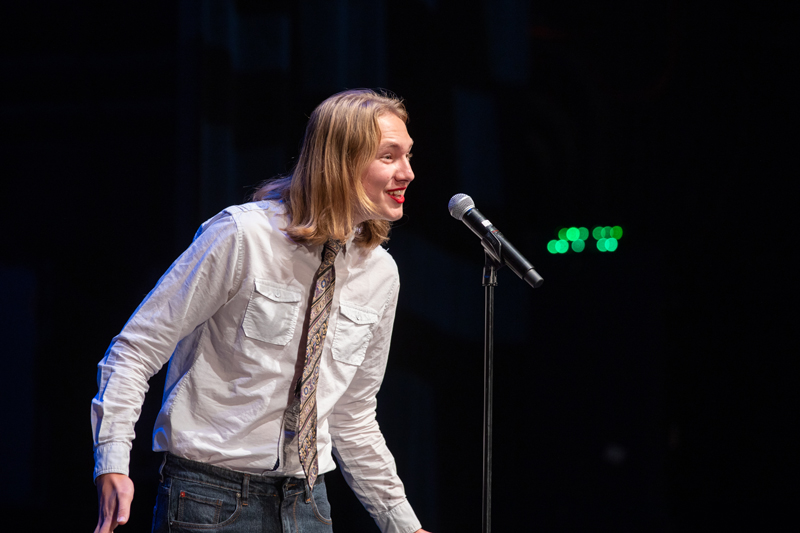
column 490, row 267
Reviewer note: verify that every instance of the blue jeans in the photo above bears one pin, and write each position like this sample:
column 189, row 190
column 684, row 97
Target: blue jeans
column 196, row 497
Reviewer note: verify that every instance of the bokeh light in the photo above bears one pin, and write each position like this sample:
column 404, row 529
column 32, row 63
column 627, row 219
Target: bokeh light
column 573, row 234
column 576, row 237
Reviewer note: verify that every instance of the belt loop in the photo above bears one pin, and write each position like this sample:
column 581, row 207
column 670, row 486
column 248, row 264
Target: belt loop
column 307, row 488
column 161, row 468
column 245, row 489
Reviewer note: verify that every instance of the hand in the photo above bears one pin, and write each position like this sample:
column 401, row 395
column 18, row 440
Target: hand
column 114, row 494
column 421, row 531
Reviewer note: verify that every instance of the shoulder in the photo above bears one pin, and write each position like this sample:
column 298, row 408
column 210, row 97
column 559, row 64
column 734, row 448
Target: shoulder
column 253, row 217
column 376, row 264
column 381, row 256
column 261, row 215
column 253, row 230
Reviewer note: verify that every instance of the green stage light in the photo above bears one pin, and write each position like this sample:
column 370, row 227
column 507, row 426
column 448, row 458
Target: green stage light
column 573, row 234
column 576, row 237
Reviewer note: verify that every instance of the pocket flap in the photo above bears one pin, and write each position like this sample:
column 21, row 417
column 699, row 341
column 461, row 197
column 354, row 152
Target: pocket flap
column 359, row 315
column 276, row 294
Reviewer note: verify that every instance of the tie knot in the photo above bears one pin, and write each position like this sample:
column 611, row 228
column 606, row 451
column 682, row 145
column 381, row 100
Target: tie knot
column 332, row 246
column 329, row 252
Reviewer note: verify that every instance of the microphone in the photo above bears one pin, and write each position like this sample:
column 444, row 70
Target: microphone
column 462, row 208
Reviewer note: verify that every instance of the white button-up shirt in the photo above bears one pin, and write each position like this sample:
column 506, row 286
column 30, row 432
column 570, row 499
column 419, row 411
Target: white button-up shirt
column 229, row 316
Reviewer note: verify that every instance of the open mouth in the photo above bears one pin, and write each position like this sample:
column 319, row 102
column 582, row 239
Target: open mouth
column 397, row 195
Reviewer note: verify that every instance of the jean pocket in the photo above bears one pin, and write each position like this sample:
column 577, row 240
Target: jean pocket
column 201, row 506
column 354, row 330
column 271, row 314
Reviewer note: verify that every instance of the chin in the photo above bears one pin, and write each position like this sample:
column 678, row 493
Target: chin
column 389, row 213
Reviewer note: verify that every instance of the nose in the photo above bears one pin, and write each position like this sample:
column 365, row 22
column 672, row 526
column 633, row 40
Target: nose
column 406, row 173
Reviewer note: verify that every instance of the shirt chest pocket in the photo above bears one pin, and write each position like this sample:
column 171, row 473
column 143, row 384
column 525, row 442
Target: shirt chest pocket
column 271, row 314
column 354, row 330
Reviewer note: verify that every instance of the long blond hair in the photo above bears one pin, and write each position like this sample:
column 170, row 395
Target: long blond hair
column 323, row 195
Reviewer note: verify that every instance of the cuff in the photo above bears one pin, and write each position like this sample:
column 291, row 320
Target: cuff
column 112, row 458
column 399, row 519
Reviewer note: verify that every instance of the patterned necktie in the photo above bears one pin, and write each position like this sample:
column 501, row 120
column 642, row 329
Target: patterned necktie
column 317, row 329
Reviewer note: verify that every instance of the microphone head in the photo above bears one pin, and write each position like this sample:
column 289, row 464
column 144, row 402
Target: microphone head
column 459, row 205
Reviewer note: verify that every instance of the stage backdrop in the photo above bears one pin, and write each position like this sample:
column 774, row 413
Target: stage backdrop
column 636, row 153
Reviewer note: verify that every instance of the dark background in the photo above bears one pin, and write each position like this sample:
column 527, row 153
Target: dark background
column 649, row 389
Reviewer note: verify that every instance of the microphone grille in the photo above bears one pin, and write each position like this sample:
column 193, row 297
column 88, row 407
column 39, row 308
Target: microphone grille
column 460, row 204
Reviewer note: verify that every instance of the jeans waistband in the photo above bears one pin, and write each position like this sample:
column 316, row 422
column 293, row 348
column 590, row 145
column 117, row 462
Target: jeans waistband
column 174, row 466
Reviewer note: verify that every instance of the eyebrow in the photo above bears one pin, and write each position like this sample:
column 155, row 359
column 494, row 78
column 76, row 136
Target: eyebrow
column 393, row 145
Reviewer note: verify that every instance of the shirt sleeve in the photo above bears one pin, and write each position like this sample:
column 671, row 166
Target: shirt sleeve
column 197, row 284
column 367, row 464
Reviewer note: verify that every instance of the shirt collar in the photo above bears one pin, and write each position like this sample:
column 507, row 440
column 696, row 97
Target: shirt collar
column 349, row 242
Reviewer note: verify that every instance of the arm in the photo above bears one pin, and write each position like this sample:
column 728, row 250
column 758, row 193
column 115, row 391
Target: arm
column 197, row 284
column 367, row 464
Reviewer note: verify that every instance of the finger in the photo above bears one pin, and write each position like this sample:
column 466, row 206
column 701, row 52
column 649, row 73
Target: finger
column 108, row 514
column 105, row 525
column 124, row 499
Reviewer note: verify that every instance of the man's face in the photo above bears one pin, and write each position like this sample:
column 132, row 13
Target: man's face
column 387, row 176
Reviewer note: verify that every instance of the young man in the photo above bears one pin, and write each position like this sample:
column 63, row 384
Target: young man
column 276, row 323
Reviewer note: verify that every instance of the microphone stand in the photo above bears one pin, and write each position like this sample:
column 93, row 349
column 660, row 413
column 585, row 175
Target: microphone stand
column 490, row 267
column 497, row 252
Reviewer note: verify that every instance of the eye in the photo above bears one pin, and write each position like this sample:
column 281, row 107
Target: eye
column 409, row 155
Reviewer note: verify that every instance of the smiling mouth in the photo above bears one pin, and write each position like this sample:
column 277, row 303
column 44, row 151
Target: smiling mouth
column 397, row 195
